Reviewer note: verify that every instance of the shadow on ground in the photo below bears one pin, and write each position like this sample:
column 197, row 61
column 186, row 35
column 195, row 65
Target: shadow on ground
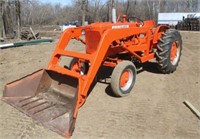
column 104, row 75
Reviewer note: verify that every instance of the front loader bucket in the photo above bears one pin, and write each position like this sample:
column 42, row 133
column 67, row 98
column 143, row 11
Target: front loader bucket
column 47, row 97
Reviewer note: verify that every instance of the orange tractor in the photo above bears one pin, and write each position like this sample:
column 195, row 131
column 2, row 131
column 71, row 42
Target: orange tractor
column 53, row 95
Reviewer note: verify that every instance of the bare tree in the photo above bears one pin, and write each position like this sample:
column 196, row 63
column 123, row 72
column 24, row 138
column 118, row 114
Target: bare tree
column 32, row 12
column 7, row 20
column 18, row 16
column 127, row 7
column 110, row 5
column 1, row 20
column 83, row 7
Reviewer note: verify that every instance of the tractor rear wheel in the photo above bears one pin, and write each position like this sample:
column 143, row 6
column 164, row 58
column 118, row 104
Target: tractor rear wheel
column 123, row 78
column 169, row 51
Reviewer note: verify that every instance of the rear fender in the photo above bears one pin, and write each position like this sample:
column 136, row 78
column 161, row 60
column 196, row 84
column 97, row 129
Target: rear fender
column 158, row 32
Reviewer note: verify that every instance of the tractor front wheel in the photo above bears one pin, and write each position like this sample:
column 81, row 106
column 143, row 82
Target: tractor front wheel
column 123, row 78
column 78, row 66
column 169, row 51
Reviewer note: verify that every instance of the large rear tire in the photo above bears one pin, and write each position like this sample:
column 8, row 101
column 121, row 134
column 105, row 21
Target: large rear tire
column 123, row 78
column 169, row 51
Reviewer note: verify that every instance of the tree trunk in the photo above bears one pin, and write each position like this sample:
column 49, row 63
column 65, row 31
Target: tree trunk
column 2, row 31
column 109, row 12
column 18, row 13
column 154, row 10
column 127, row 7
column 8, row 27
column 135, row 8
column 84, row 4
column 149, row 9
column 1, row 21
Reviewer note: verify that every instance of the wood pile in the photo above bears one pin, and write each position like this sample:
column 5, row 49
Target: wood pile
column 27, row 35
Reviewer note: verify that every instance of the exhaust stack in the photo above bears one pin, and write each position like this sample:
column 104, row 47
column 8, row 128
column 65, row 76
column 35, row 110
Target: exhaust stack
column 114, row 16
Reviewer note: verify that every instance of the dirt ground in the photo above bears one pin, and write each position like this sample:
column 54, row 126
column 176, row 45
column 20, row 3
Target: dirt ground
column 154, row 109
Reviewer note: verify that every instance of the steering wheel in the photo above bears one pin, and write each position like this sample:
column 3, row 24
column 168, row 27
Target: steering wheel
column 138, row 21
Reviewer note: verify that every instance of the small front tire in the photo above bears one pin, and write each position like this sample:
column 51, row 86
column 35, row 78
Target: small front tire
column 78, row 66
column 123, row 78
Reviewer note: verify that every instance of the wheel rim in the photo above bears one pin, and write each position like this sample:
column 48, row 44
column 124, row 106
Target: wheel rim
column 175, row 53
column 75, row 67
column 126, row 80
